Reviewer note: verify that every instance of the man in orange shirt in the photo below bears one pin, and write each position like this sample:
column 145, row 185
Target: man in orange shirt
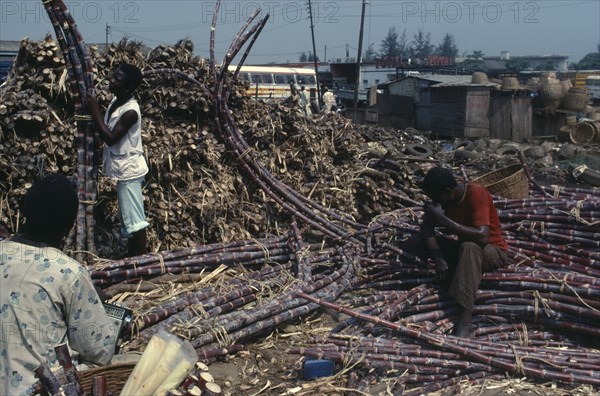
column 467, row 211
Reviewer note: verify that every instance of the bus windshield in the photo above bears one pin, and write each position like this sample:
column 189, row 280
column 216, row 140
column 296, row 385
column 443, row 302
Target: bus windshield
column 592, row 82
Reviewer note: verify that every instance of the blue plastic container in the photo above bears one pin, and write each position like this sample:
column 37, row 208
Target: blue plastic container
column 314, row 368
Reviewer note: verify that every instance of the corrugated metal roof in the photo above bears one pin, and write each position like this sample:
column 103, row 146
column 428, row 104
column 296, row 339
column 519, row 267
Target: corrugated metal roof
column 10, row 46
column 459, row 84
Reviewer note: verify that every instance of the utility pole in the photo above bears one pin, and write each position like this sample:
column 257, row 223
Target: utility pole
column 359, row 57
column 312, row 29
column 106, row 39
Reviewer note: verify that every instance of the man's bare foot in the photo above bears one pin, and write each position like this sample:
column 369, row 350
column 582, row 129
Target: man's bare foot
column 463, row 327
column 462, row 331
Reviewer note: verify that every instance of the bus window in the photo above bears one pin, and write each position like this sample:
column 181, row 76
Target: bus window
column 281, row 79
column 305, row 79
column 245, row 76
column 267, row 78
column 256, row 78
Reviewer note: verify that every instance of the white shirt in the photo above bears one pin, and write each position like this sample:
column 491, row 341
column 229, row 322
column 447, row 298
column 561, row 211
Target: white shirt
column 125, row 160
column 46, row 299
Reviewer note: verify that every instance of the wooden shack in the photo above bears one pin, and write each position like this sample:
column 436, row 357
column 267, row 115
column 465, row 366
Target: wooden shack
column 460, row 110
column 548, row 122
column 395, row 111
column 510, row 115
column 398, row 100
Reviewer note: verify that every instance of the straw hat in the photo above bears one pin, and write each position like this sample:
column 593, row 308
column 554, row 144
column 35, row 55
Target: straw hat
column 566, row 128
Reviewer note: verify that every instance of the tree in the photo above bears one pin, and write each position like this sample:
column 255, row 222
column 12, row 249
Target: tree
column 589, row 62
column 389, row 45
column 447, row 47
column 311, row 57
column 370, row 54
column 403, row 45
column 303, row 57
column 477, row 54
column 515, row 65
column 471, row 65
column 421, row 46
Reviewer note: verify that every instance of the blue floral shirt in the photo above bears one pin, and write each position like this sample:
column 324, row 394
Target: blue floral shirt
column 46, row 299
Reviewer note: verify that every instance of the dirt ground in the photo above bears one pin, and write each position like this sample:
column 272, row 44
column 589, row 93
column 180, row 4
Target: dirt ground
column 266, row 368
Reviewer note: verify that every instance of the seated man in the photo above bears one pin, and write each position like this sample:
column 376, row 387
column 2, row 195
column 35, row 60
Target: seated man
column 47, row 298
column 467, row 211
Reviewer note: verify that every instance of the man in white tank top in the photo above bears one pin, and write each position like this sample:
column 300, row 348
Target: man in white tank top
column 123, row 160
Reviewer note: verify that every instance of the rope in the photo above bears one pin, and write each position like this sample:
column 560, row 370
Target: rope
column 563, row 283
column 221, row 336
column 576, row 212
column 547, row 309
column 262, row 247
column 520, row 368
column 556, row 191
column 161, row 259
column 525, row 334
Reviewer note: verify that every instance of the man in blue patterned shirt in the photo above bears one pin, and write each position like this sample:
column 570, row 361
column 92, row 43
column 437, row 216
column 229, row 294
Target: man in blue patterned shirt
column 47, row 298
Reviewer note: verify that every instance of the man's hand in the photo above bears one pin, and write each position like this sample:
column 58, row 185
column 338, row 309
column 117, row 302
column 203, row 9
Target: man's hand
column 92, row 102
column 441, row 269
column 434, row 211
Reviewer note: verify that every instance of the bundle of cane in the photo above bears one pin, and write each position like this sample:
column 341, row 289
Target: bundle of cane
column 81, row 80
column 166, row 362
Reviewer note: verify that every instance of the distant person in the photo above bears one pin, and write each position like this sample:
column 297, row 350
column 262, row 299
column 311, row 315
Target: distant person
column 305, row 101
column 46, row 297
column 329, row 101
column 121, row 130
column 467, row 211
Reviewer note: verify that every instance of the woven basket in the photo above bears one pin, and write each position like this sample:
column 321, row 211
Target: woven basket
column 116, row 376
column 479, row 78
column 510, row 84
column 510, row 182
column 582, row 133
column 550, row 94
column 575, row 101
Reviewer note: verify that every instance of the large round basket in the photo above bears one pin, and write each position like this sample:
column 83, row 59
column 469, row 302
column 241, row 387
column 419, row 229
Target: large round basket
column 116, row 376
column 510, row 182
column 582, row 133
column 479, row 78
column 510, row 84
column 550, row 94
column 575, row 100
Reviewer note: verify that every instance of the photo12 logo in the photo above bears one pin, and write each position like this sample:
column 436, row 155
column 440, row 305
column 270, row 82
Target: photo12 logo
column 87, row 11
column 286, row 11
column 470, row 11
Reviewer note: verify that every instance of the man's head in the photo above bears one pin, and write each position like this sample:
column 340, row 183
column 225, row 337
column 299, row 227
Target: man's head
column 50, row 208
column 440, row 185
column 126, row 79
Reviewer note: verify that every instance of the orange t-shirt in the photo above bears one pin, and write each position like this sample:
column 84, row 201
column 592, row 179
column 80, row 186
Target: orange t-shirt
column 477, row 209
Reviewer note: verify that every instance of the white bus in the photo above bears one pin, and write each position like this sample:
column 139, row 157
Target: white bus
column 270, row 82
column 592, row 83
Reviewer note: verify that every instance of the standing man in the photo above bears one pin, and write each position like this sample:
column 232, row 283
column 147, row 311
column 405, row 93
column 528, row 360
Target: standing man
column 328, row 100
column 46, row 297
column 467, row 211
column 305, row 101
column 123, row 161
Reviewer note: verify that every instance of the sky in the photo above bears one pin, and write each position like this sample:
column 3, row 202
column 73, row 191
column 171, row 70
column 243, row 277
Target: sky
column 542, row 27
